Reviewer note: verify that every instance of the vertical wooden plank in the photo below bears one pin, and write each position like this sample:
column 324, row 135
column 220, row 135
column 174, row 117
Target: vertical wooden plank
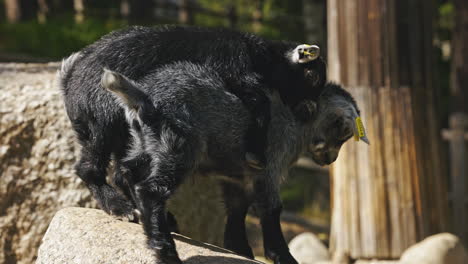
column 458, row 157
column 79, row 7
column 365, row 174
column 333, row 40
column 363, row 44
column 343, row 42
column 459, row 94
column 350, row 78
column 375, row 37
column 350, row 27
column 381, row 196
column 459, row 72
column 382, row 192
column 12, row 11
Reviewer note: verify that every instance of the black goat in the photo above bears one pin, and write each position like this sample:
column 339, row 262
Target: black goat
column 163, row 120
column 249, row 65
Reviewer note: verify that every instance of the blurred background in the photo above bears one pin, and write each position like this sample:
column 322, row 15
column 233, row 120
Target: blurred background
column 402, row 60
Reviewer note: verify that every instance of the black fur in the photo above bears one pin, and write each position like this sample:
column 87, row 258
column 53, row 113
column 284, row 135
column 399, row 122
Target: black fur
column 188, row 117
column 248, row 64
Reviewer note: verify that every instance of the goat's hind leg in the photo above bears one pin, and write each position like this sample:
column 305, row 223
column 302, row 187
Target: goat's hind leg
column 237, row 204
column 268, row 206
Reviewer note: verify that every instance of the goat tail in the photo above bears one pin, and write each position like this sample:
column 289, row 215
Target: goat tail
column 63, row 74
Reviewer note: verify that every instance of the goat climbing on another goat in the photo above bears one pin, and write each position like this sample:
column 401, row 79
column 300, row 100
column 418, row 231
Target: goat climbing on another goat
column 180, row 119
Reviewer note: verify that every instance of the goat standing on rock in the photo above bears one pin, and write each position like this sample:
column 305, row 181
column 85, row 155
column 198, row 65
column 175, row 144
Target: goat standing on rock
column 162, row 122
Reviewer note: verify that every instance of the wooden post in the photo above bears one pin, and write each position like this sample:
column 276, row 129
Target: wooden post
column 459, row 121
column 391, row 194
column 257, row 16
column 457, row 137
column 13, row 11
column 79, row 7
column 124, row 9
column 185, row 12
column 313, row 12
column 231, row 12
column 42, row 12
column 459, row 74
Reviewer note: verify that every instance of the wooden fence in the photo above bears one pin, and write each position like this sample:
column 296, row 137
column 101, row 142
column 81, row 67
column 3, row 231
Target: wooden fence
column 184, row 12
column 457, row 136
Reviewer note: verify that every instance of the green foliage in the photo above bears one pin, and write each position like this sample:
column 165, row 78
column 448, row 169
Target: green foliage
column 307, row 192
column 60, row 35
column 446, row 20
column 55, row 39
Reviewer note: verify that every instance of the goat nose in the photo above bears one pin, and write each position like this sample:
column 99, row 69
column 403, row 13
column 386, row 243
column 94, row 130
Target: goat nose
column 331, row 157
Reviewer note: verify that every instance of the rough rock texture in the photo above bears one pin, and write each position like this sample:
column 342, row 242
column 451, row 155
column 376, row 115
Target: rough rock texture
column 306, row 248
column 37, row 153
column 82, row 236
column 442, row 248
column 378, row 262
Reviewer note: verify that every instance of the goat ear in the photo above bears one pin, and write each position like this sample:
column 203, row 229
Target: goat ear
column 305, row 110
column 359, row 130
column 124, row 89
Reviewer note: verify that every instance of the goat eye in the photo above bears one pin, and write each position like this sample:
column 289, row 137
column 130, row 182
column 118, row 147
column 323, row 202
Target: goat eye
column 337, row 124
column 346, row 133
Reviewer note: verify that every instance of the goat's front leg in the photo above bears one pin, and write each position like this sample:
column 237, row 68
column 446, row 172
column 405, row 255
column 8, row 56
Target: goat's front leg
column 172, row 162
column 152, row 202
column 268, row 205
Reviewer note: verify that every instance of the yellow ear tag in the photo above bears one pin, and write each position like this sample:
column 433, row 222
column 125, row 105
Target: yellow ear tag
column 360, row 131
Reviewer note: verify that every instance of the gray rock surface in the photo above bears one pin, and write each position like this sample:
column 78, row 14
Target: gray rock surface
column 442, row 248
column 89, row 236
column 306, row 248
column 378, row 262
column 37, row 154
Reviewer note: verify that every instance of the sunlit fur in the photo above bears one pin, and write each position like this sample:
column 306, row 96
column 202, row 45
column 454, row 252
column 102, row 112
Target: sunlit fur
column 187, row 121
column 196, row 126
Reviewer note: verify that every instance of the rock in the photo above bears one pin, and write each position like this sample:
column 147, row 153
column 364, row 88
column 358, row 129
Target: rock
column 82, row 236
column 340, row 257
column 378, row 262
column 37, row 153
column 442, row 248
column 306, row 248
column 35, row 178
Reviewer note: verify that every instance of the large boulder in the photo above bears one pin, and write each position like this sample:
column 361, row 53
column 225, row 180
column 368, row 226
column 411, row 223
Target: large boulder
column 82, row 236
column 442, row 248
column 37, row 153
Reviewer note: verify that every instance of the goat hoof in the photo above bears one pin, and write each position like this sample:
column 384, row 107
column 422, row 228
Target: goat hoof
column 285, row 260
column 133, row 217
column 168, row 258
column 253, row 162
column 120, row 207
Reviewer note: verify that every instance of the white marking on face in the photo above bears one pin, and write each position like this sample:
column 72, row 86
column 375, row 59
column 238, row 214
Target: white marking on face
column 320, row 146
column 304, row 53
